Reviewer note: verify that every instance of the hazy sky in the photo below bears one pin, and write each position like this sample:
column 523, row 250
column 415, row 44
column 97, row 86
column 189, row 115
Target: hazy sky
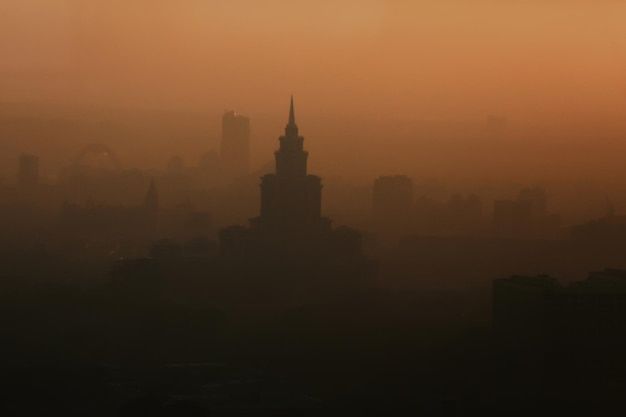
column 530, row 60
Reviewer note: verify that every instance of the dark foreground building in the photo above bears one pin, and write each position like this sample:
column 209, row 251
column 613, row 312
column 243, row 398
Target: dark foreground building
column 579, row 326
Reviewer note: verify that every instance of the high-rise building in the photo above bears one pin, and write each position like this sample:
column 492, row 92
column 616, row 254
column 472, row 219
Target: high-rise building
column 289, row 254
column 28, row 175
column 291, row 199
column 235, row 145
column 527, row 216
column 290, row 225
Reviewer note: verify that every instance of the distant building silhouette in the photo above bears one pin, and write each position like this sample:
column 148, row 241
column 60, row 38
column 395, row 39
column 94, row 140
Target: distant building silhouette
column 584, row 322
column 28, row 173
column 235, row 144
column 525, row 217
column 111, row 226
column 459, row 216
column 184, row 221
column 290, row 238
column 291, row 200
column 96, row 171
column 165, row 248
column 521, row 304
column 288, row 255
column 610, row 229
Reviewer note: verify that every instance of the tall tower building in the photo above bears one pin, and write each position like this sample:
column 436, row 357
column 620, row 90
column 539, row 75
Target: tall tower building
column 235, row 145
column 290, row 243
column 291, row 199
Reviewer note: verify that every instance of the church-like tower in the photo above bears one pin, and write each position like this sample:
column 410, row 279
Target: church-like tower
column 291, row 199
column 291, row 157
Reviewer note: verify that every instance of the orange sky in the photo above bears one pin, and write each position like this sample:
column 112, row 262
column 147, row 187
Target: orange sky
column 530, row 60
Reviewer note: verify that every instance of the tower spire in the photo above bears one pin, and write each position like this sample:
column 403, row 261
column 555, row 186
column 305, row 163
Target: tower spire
column 292, row 115
column 291, row 130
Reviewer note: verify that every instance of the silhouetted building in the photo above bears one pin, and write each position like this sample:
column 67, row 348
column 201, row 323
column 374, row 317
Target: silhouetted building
column 291, row 204
column 201, row 247
column 120, row 230
column 235, row 144
column 521, row 306
column 290, row 241
column 525, row 217
column 610, row 229
column 185, row 221
column 96, row 171
column 288, row 256
column 291, row 200
column 28, row 174
column 583, row 323
column 165, row 248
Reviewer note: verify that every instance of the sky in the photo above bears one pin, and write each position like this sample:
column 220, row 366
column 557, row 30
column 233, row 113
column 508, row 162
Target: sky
column 361, row 71
column 558, row 61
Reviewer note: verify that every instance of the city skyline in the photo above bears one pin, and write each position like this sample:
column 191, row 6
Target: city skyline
column 332, row 205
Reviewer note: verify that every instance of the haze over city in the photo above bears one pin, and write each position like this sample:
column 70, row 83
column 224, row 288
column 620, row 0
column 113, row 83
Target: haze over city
column 373, row 204
column 553, row 69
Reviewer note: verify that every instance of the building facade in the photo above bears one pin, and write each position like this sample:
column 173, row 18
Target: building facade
column 290, row 227
column 291, row 199
column 235, row 144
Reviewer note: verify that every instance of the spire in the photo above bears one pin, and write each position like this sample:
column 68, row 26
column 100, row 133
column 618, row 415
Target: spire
column 291, row 130
column 292, row 116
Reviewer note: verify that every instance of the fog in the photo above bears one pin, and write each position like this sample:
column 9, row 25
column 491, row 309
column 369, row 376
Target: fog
column 412, row 81
column 376, row 204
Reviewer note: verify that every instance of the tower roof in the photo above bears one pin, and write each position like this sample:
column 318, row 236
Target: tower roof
column 291, row 130
column 292, row 115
